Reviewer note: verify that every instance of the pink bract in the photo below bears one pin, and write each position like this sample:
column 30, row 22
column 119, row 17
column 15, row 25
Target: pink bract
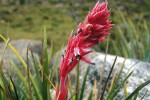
column 90, row 32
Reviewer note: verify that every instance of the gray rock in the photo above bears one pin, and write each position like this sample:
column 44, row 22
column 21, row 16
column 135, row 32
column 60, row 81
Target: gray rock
column 21, row 46
column 141, row 73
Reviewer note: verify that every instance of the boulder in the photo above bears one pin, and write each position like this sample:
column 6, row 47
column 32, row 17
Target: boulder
column 21, row 46
column 140, row 72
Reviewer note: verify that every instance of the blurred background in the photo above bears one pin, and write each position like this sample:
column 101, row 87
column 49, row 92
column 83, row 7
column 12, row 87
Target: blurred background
column 130, row 37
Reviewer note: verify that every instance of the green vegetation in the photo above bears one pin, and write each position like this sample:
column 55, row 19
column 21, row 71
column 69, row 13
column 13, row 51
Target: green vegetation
column 61, row 16
column 27, row 21
column 130, row 38
column 37, row 85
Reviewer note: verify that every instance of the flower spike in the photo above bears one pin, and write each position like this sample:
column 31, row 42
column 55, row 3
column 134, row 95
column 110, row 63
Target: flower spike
column 93, row 30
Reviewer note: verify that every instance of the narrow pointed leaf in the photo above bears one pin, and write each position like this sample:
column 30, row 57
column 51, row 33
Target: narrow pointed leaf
column 83, row 83
column 138, row 89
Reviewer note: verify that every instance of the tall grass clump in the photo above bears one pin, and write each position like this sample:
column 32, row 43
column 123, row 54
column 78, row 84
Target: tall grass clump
column 132, row 39
column 31, row 85
column 36, row 80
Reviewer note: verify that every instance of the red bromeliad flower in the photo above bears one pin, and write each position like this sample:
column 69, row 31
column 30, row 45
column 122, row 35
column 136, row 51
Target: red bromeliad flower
column 92, row 31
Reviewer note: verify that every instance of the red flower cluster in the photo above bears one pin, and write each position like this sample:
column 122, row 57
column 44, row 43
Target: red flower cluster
column 92, row 31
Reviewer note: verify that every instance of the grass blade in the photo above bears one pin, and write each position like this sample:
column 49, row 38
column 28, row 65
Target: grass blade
column 36, row 68
column 113, row 79
column 19, row 74
column 102, row 95
column 16, row 97
column 138, row 89
column 117, row 88
column 144, row 94
column 28, row 78
column 117, row 79
column 71, row 98
column 2, row 55
column 83, row 83
column 45, row 92
column 102, row 73
column 24, row 66
column 135, row 96
column 90, row 95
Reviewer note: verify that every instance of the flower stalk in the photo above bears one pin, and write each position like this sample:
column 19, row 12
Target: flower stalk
column 93, row 30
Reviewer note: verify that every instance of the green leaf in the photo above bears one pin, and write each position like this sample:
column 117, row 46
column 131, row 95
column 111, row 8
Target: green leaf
column 15, row 90
column 27, row 73
column 138, row 89
column 117, row 79
column 90, row 95
column 24, row 66
column 117, row 88
column 36, row 68
column 102, row 95
column 4, row 85
column 54, row 67
column 135, row 96
column 83, row 83
column 22, row 78
column 45, row 92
